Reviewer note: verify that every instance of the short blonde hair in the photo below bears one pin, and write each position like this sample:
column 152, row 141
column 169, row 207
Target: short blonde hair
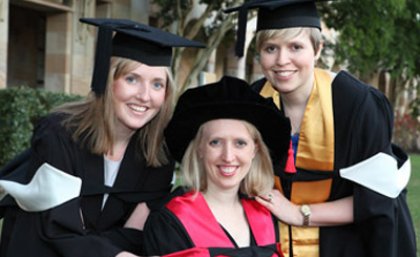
column 315, row 36
column 93, row 119
column 258, row 181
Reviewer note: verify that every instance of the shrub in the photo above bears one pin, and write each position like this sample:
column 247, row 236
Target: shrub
column 407, row 132
column 21, row 108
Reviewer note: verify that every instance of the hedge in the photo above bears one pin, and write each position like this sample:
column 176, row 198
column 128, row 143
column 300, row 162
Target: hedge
column 20, row 109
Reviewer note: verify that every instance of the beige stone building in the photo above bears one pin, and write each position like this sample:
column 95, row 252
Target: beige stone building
column 43, row 44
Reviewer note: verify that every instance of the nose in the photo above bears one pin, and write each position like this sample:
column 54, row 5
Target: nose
column 228, row 153
column 143, row 92
column 282, row 57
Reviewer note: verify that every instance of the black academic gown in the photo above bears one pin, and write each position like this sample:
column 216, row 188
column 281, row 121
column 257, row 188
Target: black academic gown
column 80, row 227
column 185, row 227
column 363, row 122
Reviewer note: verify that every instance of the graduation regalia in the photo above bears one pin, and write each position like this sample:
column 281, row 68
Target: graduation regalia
column 186, row 227
column 80, row 227
column 86, row 218
column 358, row 120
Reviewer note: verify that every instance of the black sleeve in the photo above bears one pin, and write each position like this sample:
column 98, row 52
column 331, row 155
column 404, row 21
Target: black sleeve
column 58, row 231
column 258, row 85
column 161, row 183
column 164, row 234
column 381, row 218
column 367, row 130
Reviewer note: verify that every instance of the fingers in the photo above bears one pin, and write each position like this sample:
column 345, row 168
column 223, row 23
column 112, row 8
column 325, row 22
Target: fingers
column 262, row 201
column 267, row 197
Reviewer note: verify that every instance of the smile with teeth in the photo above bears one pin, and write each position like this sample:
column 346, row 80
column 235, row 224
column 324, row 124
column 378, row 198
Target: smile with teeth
column 137, row 108
column 228, row 170
column 284, row 73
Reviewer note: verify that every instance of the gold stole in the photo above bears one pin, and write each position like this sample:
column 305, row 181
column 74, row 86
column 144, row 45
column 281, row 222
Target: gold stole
column 315, row 152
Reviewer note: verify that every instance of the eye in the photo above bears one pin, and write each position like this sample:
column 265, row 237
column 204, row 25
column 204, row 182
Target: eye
column 131, row 79
column 158, row 85
column 270, row 49
column 241, row 143
column 296, row 47
column 214, row 142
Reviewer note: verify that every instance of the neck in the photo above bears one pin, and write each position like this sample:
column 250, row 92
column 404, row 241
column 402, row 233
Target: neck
column 294, row 105
column 116, row 153
column 221, row 198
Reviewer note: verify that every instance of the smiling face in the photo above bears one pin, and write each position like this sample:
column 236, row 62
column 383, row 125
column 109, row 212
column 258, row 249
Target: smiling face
column 288, row 62
column 227, row 149
column 138, row 96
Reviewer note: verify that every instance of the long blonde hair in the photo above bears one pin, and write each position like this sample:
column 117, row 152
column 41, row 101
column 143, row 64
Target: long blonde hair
column 259, row 180
column 92, row 120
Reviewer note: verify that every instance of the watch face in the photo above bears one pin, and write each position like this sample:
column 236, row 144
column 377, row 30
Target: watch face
column 305, row 210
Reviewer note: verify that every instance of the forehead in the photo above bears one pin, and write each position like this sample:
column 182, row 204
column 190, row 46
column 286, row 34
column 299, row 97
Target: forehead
column 286, row 35
column 225, row 127
column 144, row 70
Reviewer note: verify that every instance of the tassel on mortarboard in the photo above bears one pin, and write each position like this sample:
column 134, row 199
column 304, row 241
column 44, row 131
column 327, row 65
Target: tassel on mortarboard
column 290, row 163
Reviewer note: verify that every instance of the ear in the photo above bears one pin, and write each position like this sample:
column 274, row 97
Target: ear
column 318, row 53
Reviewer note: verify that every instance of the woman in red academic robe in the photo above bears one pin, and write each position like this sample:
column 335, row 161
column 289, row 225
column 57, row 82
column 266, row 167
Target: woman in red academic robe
column 223, row 135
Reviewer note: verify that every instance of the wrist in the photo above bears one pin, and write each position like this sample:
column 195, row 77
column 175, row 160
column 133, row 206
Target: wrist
column 305, row 211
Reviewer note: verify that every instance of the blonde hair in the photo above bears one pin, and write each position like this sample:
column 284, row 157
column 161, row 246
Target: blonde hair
column 315, row 36
column 92, row 120
column 259, row 180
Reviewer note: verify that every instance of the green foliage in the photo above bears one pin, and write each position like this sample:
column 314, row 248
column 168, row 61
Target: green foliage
column 21, row 108
column 377, row 35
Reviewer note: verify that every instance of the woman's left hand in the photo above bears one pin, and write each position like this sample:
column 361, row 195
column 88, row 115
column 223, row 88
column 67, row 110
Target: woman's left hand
column 281, row 207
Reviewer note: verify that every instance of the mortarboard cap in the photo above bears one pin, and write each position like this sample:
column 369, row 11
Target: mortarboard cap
column 134, row 41
column 275, row 14
column 229, row 98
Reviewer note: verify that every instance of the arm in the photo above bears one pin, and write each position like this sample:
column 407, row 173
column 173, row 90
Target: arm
column 338, row 212
column 164, row 234
column 61, row 228
column 138, row 218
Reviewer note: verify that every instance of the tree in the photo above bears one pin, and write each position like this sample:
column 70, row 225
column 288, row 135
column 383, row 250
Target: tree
column 210, row 27
column 375, row 36
column 382, row 37
column 378, row 36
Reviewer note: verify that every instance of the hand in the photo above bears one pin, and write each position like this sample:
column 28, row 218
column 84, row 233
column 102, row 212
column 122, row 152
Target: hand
column 281, row 207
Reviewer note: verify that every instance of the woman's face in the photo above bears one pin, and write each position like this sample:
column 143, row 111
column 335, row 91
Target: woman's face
column 227, row 149
column 289, row 64
column 138, row 96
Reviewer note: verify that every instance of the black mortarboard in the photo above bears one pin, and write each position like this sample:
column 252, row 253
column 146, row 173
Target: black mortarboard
column 132, row 40
column 276, row 14
column 229, row 98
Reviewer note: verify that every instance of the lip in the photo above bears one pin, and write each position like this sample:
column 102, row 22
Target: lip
column 140, row 109
column 284, row 74
column 228, row 170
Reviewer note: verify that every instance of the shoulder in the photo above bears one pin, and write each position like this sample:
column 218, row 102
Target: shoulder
column 345, row 82
column 50, row 131
column 163, row 217
column 258, row 84
column 51, row 122
column 353, row 93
